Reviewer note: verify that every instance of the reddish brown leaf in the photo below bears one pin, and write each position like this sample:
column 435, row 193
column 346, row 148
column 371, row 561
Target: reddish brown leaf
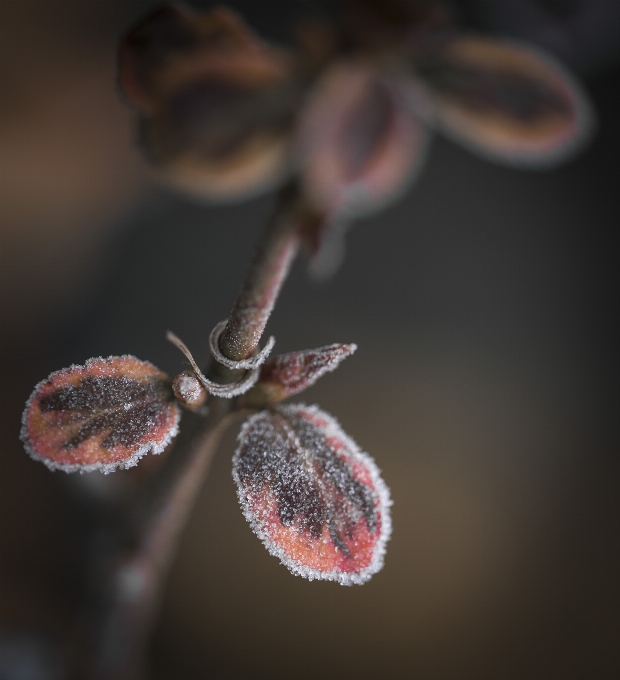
column 216, row 101
column 507, row 101
column 360, row 139
column 104, row 415
column 316, row 501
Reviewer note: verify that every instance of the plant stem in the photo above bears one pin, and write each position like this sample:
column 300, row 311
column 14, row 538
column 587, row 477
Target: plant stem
column 264, row 280
column 146, row 547
column 133, row 579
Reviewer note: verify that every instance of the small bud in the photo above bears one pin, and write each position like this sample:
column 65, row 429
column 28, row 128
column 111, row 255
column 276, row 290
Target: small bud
column 506, row 101
column 217, row 103
column 314, row 499
column 189, row 391
column 288, row 374
column 104, row 415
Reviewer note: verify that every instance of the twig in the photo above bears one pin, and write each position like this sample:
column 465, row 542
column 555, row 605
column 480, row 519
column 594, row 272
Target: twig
column 147, row 541
column 136, row 574
column 264, row 280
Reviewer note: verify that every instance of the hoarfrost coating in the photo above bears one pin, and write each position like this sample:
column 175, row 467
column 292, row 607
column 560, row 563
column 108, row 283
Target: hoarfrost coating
column 102, row 416
column 316, row 501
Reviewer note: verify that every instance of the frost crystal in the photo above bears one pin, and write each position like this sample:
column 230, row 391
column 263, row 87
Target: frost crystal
column 316, row 501
column 101, row 416
column 190, row 387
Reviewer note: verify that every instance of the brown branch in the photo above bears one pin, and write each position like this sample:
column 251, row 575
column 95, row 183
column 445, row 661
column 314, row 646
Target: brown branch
column 146, row 542
column 264, row 280
column 135, row 575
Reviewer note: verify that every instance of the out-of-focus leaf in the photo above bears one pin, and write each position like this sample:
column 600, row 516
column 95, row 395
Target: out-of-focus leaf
column 217, row 102
column 506, row 101
column 104, row 415
column 316, row 501
column 360, row 139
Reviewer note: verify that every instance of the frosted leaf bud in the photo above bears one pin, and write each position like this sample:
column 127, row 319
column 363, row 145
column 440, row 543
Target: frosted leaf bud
column 216, row 102
column 316, row 501
column 102, row 416
column 188, row 390
column 287, row 374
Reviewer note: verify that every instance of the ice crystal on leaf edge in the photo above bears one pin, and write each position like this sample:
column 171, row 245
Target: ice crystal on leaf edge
column 155, row 446
column 379, row 488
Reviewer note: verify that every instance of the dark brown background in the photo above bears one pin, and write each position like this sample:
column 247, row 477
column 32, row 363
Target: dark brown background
column 485, row 385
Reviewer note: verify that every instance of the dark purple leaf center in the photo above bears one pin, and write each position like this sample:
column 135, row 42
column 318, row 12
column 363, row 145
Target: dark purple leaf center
column 127, row 408
column 522, row 97
column 310, row 481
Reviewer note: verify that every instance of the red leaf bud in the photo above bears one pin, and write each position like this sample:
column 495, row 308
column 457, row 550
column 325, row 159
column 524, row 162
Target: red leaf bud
column 189, row 391
column 287, row 374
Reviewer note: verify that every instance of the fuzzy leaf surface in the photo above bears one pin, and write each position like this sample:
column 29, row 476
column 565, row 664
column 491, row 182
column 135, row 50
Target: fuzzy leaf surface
column 104, row 415
column 316, row 501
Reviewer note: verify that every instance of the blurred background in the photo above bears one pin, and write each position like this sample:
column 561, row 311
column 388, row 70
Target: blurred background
column 493, row 414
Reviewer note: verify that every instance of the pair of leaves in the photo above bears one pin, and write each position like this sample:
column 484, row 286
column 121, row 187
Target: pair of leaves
column 316, row 501
column 225, row 114
column 364, row 131
column 110, row 412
